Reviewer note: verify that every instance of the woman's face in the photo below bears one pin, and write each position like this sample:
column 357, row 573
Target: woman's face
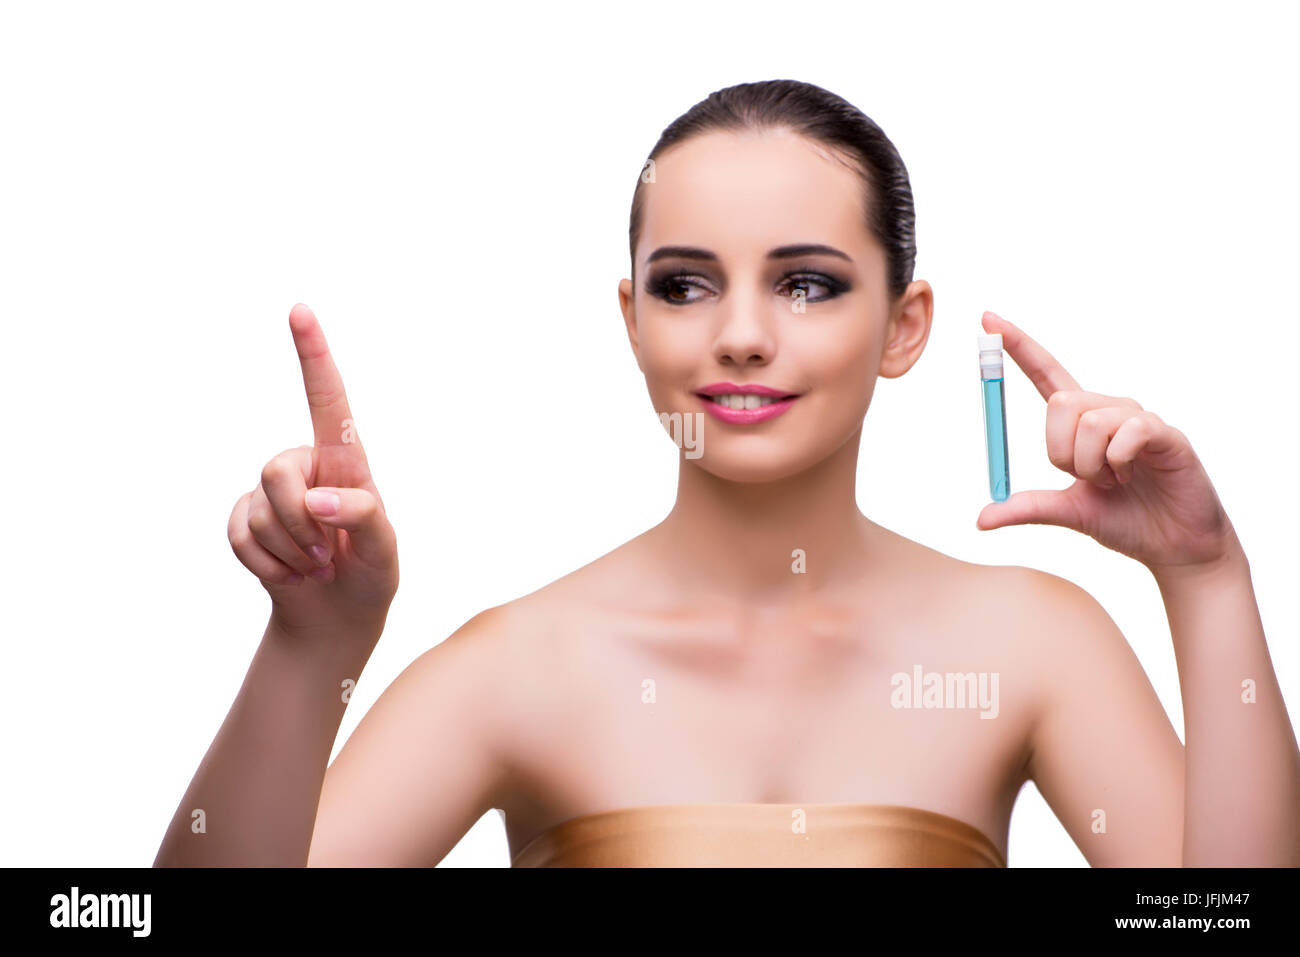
column 751, row 308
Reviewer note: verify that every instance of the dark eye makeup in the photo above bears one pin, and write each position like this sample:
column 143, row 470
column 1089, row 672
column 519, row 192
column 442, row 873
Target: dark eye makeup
column 673, row 286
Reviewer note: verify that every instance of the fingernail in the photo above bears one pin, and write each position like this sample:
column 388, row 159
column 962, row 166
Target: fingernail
column 293, row 579
column 322, row 503
column 319, row 555
column 322, row 574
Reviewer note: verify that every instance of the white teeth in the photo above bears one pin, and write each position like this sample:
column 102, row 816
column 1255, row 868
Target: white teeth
column 744, row 401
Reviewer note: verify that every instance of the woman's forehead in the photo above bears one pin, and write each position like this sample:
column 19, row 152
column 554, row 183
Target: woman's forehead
column 732, row 190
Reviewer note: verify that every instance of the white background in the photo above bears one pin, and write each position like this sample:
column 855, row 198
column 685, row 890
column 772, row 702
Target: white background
column 448, row 186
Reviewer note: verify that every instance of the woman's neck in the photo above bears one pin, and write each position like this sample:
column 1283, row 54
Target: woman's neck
column 737, row 541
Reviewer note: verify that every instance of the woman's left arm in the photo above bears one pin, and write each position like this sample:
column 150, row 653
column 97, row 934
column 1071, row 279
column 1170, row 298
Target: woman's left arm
column 1141, row 490
column 1242, row 778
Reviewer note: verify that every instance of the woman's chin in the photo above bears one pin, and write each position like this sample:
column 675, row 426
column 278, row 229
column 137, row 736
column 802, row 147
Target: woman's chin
column 750, row 468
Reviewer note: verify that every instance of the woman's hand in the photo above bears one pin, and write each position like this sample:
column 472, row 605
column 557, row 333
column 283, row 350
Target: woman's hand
column 1140, row 488
column 314, row 530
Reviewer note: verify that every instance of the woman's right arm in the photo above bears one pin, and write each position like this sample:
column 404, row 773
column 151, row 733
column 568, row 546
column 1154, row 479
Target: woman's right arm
column 253, row 800
column 315, row 533
column 425, row 763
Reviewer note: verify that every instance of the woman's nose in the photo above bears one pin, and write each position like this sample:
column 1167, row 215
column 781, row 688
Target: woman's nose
column 745, row 334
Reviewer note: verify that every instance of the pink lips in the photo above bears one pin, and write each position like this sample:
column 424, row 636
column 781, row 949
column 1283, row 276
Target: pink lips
column 745, row 416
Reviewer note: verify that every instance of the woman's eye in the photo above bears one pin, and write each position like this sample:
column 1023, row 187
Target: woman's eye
column 675, row 289
column 832, row 287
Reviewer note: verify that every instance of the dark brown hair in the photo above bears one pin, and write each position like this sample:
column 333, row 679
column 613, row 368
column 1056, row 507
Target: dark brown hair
column 822, row 116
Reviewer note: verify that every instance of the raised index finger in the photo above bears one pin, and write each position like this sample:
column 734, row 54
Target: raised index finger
column 1044, row 372
column 331, row 419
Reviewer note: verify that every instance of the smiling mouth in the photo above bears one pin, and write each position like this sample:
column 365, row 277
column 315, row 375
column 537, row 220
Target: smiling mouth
column 740, row 402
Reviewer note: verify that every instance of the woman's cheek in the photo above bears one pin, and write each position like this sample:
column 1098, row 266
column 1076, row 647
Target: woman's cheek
column 670, row 361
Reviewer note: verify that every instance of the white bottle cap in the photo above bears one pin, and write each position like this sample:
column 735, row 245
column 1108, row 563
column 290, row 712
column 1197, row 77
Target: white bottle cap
column 991, row 356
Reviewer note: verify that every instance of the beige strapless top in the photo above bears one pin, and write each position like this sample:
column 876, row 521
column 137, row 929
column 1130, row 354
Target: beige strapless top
column 761, row 835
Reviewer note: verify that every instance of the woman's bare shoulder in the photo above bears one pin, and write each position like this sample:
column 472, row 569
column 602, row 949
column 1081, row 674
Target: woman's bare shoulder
column 583, row 591
column 1051, row 632
column 518, row 626
column 998, row 582
column 1013, row 607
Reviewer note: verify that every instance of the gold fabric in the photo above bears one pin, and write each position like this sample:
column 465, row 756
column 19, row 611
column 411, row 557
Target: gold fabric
column 761, row 835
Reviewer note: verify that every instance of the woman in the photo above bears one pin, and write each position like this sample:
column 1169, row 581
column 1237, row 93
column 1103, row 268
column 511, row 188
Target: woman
column 767, row 676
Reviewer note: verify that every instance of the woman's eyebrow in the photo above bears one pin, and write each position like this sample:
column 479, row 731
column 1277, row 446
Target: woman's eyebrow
column 780, row 252
column 806, row 249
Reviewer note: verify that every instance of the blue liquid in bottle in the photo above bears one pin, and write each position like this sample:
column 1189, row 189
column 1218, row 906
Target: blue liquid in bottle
column 995, row 433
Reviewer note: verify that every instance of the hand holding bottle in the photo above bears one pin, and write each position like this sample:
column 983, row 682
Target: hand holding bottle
column 1141, row 489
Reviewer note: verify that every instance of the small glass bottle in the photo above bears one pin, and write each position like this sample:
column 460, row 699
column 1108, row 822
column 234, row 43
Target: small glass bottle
column 995, row 415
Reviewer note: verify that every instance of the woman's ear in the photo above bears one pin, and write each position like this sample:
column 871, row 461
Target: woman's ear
column 908, row 330
column 627, row 304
